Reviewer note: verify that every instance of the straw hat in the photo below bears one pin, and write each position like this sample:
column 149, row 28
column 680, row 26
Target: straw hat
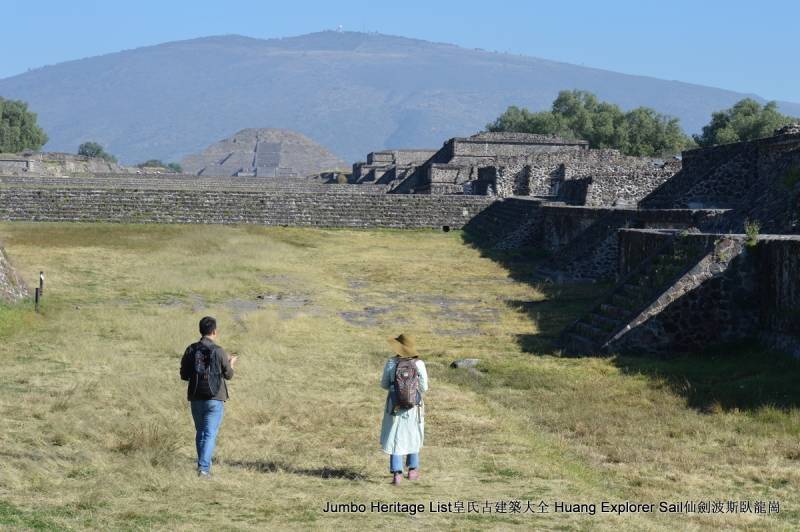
column 403, row 345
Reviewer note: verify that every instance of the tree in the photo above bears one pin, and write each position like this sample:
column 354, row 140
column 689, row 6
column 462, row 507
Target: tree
column 157, row 163
column 153, row 163
column 96, row 151
column 746, row 120
column 580, row 115
column 18, row 128
column 650, row 133
column 524, row 121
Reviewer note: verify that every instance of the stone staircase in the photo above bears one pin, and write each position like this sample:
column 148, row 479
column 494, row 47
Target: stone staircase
column 632, row 295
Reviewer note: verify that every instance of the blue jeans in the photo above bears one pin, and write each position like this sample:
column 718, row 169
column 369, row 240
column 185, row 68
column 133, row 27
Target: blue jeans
column 396, row 462
column 207, row 419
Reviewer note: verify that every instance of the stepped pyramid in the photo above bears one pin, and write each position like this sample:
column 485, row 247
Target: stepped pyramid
column 263, row 153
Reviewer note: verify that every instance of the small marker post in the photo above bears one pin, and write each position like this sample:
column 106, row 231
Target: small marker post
column 36, row 298
column 41, row 283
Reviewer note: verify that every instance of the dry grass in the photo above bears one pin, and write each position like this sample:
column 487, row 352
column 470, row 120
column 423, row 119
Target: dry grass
column 97, row 433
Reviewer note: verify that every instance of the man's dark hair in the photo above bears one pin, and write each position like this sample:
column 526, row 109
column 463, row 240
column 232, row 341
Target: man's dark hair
column 208, row 325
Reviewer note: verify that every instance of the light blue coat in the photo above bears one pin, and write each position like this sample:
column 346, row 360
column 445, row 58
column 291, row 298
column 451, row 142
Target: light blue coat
column 404, row 432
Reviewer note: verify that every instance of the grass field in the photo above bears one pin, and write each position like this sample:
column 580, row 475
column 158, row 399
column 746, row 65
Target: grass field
column 96, row 431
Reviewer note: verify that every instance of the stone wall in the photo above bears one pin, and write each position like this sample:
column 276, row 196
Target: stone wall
column 12, row 288
column 380, row 157
column 759, row 179
column 402, row 157
column 506, row 223
column 11, row 165
column 190, row 182
column 233, row 207
column 494, row 145
column 636, row 246
column 575, row 191
column 389, row 166
column 626, row 185
column 412, row 157
column 582, row 241
column 55, row 164
column 449, row 177
column 368, row 173
column 578, row 177
column 778, row 291
column 734, row 292
column 470, row 153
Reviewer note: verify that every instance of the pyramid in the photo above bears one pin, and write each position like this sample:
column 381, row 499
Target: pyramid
column 268, row 153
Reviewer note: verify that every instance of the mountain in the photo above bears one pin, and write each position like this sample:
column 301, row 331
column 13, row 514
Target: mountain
column 351, row 92
column 263, row 153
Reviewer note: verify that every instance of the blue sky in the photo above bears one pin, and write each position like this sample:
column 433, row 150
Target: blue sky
column 745, row 46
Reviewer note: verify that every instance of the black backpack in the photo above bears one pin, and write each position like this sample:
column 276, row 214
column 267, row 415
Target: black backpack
column 205, row 380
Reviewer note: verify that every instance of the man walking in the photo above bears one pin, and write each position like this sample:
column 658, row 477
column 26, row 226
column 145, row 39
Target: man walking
column 206, row 366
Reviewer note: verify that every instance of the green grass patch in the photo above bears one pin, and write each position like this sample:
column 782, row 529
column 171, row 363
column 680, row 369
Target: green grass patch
column 11, row 516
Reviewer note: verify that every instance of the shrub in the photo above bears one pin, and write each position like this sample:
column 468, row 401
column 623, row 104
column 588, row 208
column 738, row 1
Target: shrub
column 752, row 229
column 96, row 151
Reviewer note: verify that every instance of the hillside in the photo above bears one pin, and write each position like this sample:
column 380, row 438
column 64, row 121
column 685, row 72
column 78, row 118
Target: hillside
column 263, row 153
column 351, row 92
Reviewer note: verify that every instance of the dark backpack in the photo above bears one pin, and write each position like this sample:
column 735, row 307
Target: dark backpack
column 406, row 383
column 205, row 380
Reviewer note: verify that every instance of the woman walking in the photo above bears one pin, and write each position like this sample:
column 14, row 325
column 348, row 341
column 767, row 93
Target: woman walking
column 403, row 427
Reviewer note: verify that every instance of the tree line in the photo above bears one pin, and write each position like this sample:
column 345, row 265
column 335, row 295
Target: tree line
column 574, row 115
column 642, row 131
column 95, row 150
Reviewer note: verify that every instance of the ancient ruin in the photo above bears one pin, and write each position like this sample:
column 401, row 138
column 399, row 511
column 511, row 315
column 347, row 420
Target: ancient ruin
column 272, row 153
column 685, row 275
column 518, row 164
column 452, row 167
column 389, row 166
column 700, row 250
column 55, row 164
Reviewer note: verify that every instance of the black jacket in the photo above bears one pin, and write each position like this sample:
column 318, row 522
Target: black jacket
column 226, row 370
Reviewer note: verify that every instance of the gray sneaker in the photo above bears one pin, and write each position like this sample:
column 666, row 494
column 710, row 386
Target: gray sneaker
column 204, row 474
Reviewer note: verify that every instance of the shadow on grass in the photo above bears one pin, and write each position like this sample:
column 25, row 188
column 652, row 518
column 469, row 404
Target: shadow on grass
column 521, row 263
column 724, row 378
column 271, row 466
column 562, row 303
